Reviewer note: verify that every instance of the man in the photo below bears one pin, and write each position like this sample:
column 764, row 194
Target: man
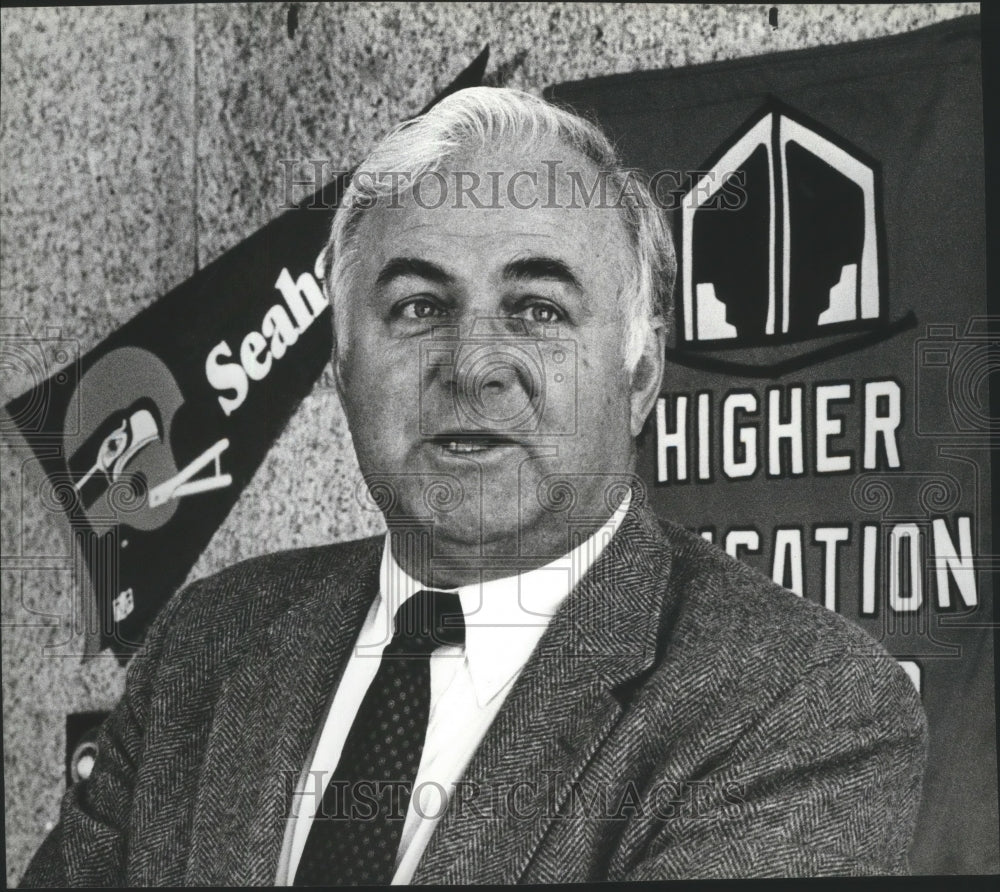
column 530, row 678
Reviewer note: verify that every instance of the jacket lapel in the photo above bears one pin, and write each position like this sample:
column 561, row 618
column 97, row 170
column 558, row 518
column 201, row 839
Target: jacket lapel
column 266, row 720
column 559, row 712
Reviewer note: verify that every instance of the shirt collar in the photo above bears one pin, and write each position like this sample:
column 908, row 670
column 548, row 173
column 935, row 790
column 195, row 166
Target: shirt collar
column 504, row 618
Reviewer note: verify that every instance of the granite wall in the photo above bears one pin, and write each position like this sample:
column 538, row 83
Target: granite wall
column 138, row 143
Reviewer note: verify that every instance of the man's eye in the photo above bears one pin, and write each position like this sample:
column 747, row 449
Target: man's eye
column 418, row 308
column 538, row 310
column 544, row 313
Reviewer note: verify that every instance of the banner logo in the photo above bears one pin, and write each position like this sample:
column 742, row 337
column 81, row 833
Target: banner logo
column 121, row 455
column 801, row 258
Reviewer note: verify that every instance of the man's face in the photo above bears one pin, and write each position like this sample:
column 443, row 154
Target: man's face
column 482, row 374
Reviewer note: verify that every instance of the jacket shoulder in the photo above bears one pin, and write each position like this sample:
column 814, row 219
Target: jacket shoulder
column 225, row 607
column 749, row 644
column 748, row 611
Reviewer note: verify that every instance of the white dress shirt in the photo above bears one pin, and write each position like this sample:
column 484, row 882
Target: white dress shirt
column 504, row 619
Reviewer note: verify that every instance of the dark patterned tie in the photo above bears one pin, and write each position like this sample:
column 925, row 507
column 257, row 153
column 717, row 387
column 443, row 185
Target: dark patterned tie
column 355, row 835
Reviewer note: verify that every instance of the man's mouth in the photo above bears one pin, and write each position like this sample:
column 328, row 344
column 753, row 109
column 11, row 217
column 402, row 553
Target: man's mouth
column 466, row 443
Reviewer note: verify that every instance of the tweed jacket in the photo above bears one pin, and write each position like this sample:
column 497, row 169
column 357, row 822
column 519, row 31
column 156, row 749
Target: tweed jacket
column 682, row 716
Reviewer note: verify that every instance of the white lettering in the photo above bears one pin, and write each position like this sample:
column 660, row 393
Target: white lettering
column 254, row 347
column 788, row 554
column 912, row 669
column 737, row 539
column 731, row 466
column 703, row 431
column 884, row 425
column 947, row 562
column 278, row 331
column 778, row 430
column 294, row 291
column 676, row 439
column 704, row 436
column 869, row 561
column 905, row 535
column 829, row 537
column 226, row 376
column 827, row 427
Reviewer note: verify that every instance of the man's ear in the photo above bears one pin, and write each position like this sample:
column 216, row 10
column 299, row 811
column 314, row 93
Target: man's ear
column 335, row 360
column 338, row 382
column 648, row 375
column 321, row 271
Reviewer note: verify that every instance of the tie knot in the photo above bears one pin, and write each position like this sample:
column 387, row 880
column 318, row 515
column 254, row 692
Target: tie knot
column 427, row 621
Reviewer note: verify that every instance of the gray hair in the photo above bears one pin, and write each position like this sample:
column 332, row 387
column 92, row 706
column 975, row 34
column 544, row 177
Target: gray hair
column 478, row 118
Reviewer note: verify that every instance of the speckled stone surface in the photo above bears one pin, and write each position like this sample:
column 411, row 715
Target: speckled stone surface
column 97, row 191
column 139, row 143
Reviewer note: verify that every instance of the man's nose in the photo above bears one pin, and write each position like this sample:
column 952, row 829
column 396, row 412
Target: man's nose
column 486, row 356
column 495, row 383
column 492, row 371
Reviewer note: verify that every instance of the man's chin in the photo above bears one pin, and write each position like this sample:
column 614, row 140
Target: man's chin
column 494, row 537
column 470, row 533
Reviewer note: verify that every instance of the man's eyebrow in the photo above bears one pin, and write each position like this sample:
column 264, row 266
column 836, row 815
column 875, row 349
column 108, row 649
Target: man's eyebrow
column 412, row 266
column 541, row 268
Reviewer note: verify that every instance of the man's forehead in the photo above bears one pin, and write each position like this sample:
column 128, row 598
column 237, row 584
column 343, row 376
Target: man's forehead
column 541, row 156
column 487, row 240
column 516, row 176
column 539, row 194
